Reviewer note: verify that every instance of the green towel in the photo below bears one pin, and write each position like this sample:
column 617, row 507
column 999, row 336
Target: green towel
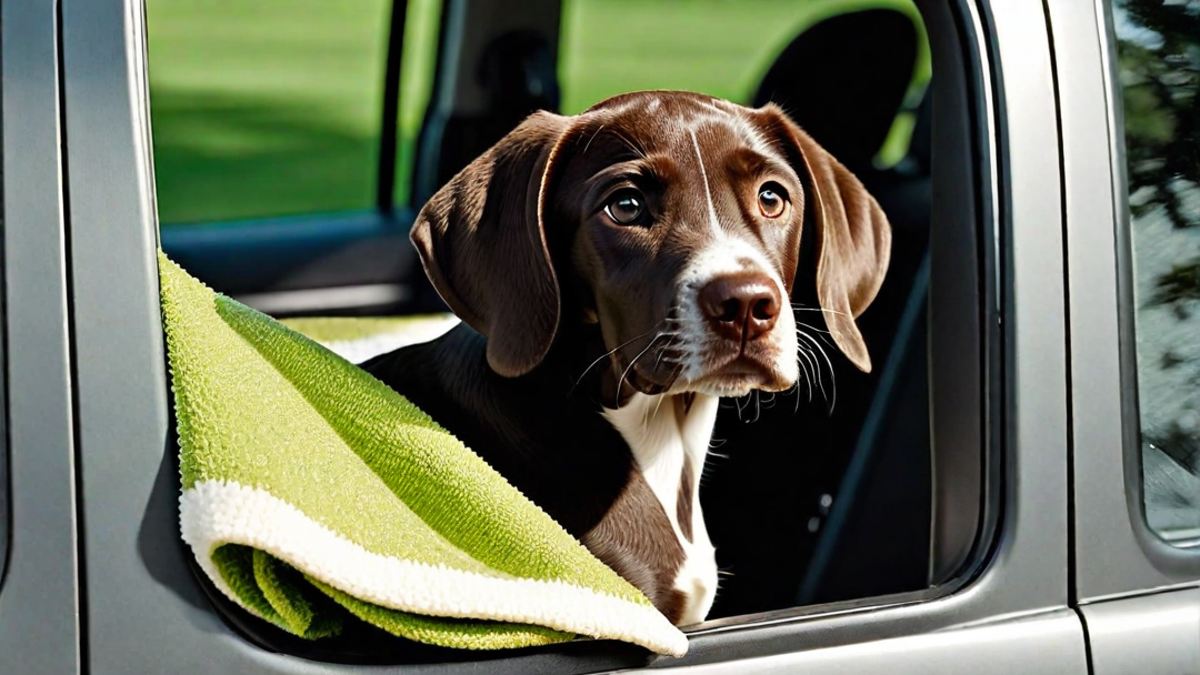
column 315, row 497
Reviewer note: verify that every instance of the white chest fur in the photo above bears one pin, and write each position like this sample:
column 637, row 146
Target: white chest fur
column 664, row 435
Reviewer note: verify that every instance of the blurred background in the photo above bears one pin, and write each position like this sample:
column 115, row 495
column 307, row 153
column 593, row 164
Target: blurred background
column 272, row 107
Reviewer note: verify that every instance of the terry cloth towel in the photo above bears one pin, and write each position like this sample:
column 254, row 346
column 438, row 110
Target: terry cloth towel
column 314, row 494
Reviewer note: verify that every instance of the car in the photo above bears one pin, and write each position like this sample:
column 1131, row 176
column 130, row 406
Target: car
column 1014, row 488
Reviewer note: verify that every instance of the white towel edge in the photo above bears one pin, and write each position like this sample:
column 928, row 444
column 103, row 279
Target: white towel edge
column 213, row 513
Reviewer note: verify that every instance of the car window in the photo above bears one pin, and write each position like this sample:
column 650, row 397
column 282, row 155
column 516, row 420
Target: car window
column 1159, row 60
column 273, row 107
column 267, row 108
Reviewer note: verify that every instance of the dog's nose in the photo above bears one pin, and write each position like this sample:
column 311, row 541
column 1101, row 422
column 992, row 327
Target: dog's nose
column 741, row 307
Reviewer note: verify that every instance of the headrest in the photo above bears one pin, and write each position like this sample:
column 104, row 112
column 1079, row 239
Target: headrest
column 845, row 79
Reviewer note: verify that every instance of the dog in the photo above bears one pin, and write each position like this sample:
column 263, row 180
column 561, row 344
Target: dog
column 616, row 273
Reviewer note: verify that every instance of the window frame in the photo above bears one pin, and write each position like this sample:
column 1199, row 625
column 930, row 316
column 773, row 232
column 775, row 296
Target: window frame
column 40, row 611
column 143, row 592
column 1116, row 552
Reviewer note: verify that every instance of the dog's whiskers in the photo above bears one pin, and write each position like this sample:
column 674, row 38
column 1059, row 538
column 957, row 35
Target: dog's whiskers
column 672, row 320
column 738, row 404
column 801, row 308
column 769, row 403
column 633, row 147
column 632, row 362
column 610, row 353
column 657, row 407
column 805, row 360
column 813, row 328
column 828, row 363
column 816, row 363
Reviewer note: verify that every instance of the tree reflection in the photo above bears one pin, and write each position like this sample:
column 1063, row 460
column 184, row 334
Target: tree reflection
column 1159, row 62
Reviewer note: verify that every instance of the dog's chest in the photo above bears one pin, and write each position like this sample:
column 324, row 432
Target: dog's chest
column 669, row 437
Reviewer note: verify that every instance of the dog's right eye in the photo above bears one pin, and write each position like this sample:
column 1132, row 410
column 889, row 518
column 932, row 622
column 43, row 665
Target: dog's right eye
column 625, row 208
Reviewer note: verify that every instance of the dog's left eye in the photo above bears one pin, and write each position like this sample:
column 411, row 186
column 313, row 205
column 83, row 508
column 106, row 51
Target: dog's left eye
column 771, row 200
column 625, row 208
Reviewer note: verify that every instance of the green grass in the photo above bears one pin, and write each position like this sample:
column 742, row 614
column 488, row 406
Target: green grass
column 272, row 107
column 719, row 47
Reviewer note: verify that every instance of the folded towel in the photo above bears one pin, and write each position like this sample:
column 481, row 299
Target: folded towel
column 315, row 497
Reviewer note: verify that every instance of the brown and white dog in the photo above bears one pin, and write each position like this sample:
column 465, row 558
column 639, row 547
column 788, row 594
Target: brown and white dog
column 616, row 272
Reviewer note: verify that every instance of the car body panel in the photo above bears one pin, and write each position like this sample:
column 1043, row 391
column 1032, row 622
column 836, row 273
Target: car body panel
column 86, row 370
column 40, row 609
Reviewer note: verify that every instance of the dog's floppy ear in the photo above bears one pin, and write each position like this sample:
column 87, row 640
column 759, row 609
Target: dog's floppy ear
column 482, row 241
column 854, row 238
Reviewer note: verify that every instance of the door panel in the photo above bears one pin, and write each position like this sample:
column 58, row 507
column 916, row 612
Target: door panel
column 1147, row 635
column 1116, row 552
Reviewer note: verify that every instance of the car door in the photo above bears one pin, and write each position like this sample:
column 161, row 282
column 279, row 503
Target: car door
column 1127, row 79
column 93, row 483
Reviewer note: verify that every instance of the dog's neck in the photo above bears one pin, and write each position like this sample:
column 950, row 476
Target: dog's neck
column 669, row 438
column 668, row 435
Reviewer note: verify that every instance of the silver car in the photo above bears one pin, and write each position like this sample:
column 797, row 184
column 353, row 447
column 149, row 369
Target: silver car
column 1016, row 489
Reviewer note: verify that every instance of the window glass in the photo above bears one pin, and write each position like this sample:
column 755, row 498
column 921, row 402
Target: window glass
column 711, row 46
column 272, row 107
column 1158, row 45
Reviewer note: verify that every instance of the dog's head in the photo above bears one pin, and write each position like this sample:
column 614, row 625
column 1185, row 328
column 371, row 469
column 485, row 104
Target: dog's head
column 672, row 220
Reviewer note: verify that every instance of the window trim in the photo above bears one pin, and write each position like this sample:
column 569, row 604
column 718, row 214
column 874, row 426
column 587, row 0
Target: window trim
column 41, row 610
column 305, row 255
column 389, row 131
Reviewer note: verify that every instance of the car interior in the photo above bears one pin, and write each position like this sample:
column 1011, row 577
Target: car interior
column 822, row 495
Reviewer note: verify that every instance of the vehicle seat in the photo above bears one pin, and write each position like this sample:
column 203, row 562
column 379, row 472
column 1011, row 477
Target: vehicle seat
column 519, row 73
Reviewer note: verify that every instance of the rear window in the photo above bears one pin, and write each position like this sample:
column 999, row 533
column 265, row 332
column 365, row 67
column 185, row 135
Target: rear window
column 1159, row 59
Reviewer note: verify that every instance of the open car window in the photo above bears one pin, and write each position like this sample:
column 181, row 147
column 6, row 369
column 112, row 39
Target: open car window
column 803, row 493
column 796, row 497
